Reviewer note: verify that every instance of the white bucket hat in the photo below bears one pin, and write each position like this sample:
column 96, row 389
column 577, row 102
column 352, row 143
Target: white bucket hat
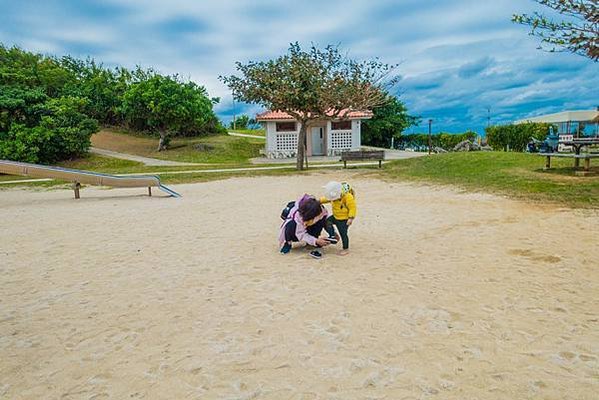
column 332, row 190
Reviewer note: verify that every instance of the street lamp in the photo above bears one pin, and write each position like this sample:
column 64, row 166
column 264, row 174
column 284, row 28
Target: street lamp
column 430, row 138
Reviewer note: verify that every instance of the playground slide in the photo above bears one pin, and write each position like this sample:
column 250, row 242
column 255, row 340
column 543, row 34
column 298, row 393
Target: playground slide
column 79, row 177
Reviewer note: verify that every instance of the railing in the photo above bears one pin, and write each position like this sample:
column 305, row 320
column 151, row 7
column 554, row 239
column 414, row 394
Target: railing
column 341, row 140
column 286, row 141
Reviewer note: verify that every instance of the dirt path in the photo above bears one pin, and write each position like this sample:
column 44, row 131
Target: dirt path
column 245, row 135
column 150, row 162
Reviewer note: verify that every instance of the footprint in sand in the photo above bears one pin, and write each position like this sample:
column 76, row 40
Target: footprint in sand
column 567, row 355
column 587, row 357
column 532, row 255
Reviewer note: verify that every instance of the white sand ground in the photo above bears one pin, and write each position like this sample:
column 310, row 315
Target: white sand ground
column 445, row 295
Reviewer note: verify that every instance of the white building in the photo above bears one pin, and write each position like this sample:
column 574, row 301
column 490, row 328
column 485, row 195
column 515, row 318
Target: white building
column 329, row 137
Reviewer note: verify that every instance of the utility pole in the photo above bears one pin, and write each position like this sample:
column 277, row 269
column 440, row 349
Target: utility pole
column 430, row 138
column 488, row 117
column 234, row 112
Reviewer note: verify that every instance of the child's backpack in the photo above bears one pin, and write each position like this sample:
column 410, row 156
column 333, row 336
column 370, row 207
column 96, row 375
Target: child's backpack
column 286, row 210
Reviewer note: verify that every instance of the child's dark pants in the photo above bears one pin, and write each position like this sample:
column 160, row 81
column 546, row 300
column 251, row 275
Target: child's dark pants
column 341, row 225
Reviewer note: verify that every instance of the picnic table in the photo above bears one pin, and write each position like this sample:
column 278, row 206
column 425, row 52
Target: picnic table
column 577, row 144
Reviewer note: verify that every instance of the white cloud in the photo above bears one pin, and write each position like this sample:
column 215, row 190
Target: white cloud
column 432, row 40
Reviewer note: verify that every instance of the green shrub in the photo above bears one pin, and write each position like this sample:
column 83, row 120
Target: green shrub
column 444, row 140
column 20, row 105
column 21, row 143
column 515, row 137
column 63, row 132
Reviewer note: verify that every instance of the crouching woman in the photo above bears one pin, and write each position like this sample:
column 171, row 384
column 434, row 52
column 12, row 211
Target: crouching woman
column 304, row 223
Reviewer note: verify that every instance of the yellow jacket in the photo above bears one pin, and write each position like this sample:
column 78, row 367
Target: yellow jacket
column 343, row 208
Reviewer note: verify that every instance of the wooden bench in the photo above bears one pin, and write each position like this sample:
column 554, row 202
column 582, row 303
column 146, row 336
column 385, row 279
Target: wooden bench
column 577, row 157
column 360, row 155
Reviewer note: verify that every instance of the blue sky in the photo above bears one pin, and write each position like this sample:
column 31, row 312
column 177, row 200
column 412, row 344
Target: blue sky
column 458, row 58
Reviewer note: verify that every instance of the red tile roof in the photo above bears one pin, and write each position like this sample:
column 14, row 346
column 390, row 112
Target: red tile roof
column 281, row 115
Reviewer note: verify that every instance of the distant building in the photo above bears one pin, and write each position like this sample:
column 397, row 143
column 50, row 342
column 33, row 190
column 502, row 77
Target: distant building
column 327, row 137
column 575, row 123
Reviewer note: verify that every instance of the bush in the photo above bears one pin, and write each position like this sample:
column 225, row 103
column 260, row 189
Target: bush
column 444, row 140
column 241, row 122
column 63, row 132
column 20, row 105
column 515, row 137
column 21, row 143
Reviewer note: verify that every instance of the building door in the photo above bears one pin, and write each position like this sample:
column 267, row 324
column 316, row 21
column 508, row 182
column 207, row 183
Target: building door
column 318, row 141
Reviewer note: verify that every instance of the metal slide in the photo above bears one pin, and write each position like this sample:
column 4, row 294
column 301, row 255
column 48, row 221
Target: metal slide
column 79, row 177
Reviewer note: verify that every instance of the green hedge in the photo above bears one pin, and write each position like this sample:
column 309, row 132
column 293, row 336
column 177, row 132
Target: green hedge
column 515, row 137
column 444, row 140
column 63, row 132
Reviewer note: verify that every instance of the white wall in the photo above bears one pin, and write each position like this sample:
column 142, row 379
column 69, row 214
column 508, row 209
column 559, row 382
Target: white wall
column 271, row 140
column 327, row 133
column 271, row 143
column 356, row 134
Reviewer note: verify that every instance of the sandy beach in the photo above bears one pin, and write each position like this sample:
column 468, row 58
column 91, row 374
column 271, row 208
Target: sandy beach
column 445, row 295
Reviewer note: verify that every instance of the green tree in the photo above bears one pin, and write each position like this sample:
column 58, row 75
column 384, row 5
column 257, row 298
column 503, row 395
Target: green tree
column 164, row 105
column 241, row 122
column 312, row 85
column 578, row 32
column 388, row 121
column 515, row 137
column 103, row 87
column 45, row 100
column 29, row 70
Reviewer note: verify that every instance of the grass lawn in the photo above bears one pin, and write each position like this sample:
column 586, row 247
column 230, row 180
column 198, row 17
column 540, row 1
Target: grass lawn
column 11, row 178
column 215, row 149
column 109, row 165
column 254, row 132
column 94, row 162
column 98, row 163
column 515, row 174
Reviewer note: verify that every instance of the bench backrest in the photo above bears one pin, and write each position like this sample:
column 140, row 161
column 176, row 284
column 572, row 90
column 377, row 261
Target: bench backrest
column 363, row 154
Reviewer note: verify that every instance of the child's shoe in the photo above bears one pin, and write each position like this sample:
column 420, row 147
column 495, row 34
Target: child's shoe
column 286, row 248
column 316, row 254
column 344, row 252
column 332, row 239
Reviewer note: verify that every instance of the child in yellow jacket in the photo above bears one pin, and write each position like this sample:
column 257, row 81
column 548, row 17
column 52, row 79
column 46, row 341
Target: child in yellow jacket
column 342, row 198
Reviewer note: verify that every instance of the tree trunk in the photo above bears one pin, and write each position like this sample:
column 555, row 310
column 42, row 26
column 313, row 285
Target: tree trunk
column 301, row 146
column 163, row 142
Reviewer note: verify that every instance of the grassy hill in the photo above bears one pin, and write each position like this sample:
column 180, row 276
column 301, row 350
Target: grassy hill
column 218, row 149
